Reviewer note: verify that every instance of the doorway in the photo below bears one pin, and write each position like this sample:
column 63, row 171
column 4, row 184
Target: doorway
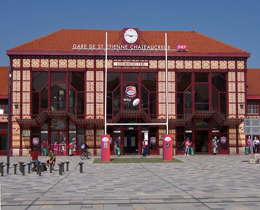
column 130, row 142
column 201, row 141
column 58, row 142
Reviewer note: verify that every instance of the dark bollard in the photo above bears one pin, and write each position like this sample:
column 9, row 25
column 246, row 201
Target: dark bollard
column 60, row 168
column 81, row 167
column 29, row 167
column 67, row 168
column 15, row 168
column 2, row 170
column 7, row 168
column 20, row 166
column 1, row 163
column 42, row 166
column 40, row 171
column 23, row 169
column 51, row 168
column 38, row 168
column 34, row 166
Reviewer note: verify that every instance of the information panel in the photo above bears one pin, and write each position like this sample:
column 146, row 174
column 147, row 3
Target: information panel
column 167, row 147
column 105, row 148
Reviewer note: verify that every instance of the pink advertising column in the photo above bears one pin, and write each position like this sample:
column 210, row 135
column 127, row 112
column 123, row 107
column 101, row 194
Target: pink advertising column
column 105, row 148
column 167, row 147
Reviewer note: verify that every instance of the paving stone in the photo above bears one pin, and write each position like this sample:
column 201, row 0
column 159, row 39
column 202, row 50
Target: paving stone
column 199, row 182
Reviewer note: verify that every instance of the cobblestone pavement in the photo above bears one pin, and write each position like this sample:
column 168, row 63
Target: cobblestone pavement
column 199, row 182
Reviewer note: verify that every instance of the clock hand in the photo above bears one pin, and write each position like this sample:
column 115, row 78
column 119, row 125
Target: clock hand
column 130, row 35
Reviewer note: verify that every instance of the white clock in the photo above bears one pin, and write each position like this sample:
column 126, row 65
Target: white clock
column 130, row 35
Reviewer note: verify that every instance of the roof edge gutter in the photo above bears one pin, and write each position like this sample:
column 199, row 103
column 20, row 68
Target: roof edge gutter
column 127, row 53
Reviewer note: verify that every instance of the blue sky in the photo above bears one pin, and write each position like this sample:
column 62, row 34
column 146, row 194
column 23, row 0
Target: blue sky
column 235, row 22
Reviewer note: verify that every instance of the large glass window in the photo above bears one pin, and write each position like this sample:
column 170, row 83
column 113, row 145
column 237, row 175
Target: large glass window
column 3, row 107
column 113, row 94
column 201, row 97
column 201, row 91
column 219, row 91
column 3, row 140
column 76, row 93
column 58, row 96
column 39, row 92
column 148, row 98
column 184, row 102
column 252, row 107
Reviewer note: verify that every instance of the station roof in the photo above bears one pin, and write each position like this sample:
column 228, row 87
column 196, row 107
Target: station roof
column 4, row 71
column 252, row 83
column 64, row 39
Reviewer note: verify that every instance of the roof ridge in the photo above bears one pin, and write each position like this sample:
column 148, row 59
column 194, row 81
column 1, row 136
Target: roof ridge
column 38, row 38
column 219, row 41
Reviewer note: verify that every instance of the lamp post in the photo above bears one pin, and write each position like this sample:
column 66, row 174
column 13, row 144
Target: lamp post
column 9, row 117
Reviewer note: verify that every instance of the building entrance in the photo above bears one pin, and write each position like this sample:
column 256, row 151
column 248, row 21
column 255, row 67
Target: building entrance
column 130, row 142
column 201, row 141
column 58, row 142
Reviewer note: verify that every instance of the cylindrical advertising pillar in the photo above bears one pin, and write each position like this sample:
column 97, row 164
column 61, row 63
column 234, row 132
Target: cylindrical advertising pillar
column 105, row 148
column 167, row 147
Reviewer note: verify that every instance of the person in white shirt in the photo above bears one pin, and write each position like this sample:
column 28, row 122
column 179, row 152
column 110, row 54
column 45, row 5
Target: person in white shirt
column 255, row 144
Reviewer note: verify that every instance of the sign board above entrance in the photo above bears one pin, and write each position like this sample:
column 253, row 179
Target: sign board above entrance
column 251, row 126
column 130, row 63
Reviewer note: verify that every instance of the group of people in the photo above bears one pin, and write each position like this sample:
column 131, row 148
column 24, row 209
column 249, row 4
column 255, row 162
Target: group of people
column 256, row 143
column 34, row 158
column 187, row 143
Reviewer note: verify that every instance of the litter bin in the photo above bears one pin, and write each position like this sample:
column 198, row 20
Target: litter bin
column 118, row 151
column 70, row 149
column 191, row 151
column 45, row 151
column 246, row 150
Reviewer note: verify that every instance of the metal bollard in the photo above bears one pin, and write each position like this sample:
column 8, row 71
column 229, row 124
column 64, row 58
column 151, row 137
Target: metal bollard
column 81, row 167
column 40, row 171
column 7, row 168
column 2, row 170
column 42, row 166
column 1, row 163
column 60, row 168
column 67, row 168
column 20, row 166
column 15, row 168
column 38, row 168
column 50, row 167
column 23, row 169
column 34, row 166
column 29, row 167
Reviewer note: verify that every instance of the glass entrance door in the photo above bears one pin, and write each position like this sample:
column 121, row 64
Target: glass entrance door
column 58, row 142
column 201, row 142
column 131, row 142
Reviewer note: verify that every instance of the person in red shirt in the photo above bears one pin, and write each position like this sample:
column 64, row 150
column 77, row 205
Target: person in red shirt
column 33, row 157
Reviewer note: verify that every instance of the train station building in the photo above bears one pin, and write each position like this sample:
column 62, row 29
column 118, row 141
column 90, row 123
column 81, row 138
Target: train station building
column 72, row 86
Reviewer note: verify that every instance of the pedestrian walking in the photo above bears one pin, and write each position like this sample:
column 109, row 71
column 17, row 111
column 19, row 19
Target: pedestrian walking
column 187, row 144
column 255, row 144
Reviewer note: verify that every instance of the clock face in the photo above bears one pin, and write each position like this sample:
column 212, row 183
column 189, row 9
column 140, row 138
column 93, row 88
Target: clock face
column 130, row 35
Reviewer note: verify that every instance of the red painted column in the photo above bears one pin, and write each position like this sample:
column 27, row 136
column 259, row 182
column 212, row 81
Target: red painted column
column 167, row 147
column 105, row 148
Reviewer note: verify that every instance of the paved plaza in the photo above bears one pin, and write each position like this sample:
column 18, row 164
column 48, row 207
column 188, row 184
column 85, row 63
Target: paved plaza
column 199, row 182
